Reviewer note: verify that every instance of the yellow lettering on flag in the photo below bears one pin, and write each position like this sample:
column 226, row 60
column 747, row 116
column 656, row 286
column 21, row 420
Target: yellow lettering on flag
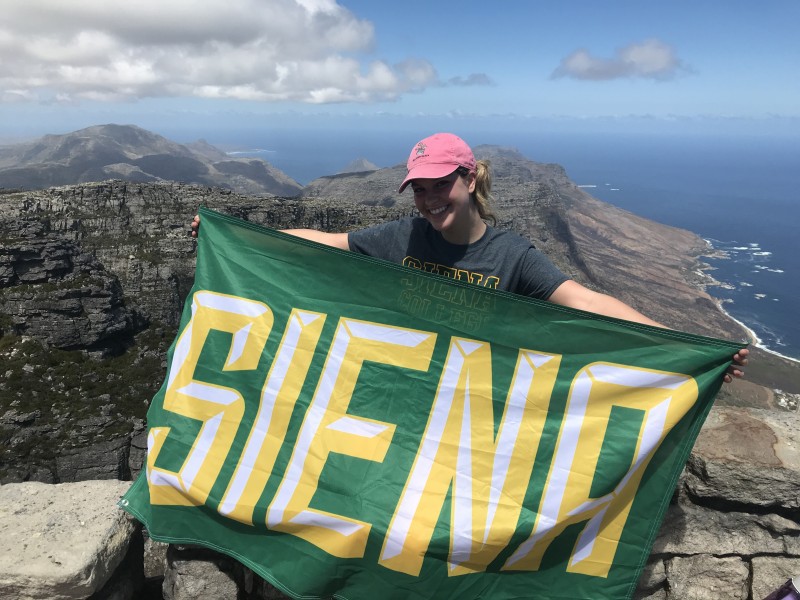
column 328, row 427
column 664, row 398
column 219, row 408
column 281, row 390
column 489, row 475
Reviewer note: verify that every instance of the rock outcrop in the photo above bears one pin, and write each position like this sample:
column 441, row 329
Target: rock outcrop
column 57, row 292
column 103, row 268
column 135, row 155
column 93, row 277
column 734, row 526
column 67, row 541
column 731, row 536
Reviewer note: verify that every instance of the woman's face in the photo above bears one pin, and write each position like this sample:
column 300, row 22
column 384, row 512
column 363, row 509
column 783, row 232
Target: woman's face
column 446, row 203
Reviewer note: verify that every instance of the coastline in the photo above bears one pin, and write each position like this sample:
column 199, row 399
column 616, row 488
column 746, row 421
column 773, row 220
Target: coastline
column 755, row 340
column 709, row 281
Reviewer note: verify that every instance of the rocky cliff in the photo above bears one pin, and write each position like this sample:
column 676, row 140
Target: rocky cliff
column 133, row 154
column 92, row 280
column 731, row 531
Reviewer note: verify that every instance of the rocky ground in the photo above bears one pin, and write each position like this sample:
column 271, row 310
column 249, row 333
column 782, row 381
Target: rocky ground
column 92, row 280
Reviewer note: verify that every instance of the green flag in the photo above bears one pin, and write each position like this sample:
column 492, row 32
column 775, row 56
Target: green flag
column 353, row 428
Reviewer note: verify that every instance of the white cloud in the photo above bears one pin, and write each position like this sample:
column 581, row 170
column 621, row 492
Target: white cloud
column 474, row 79
column 268, row 50
column 651, row 59
column 16, row 96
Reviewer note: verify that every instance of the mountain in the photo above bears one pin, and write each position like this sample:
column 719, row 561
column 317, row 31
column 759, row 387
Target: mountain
column 360, row 165
column 512, row 175
column 93, row 277
column 133, row 154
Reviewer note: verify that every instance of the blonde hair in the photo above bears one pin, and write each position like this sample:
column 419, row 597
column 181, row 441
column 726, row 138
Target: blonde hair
column 483, row 190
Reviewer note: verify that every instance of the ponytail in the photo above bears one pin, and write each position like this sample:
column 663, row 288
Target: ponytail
column 483, row 191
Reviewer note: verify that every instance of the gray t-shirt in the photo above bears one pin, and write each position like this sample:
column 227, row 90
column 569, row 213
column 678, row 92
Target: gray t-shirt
column 499, row 260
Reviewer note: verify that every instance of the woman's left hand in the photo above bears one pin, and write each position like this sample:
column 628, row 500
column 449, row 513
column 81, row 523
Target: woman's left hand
column 739, row 361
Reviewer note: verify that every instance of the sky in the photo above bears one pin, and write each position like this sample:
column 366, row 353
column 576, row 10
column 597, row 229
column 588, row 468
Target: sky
column 196, row 68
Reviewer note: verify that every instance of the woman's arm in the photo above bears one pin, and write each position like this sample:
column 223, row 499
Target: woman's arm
column 574, row 295
column 337, row 240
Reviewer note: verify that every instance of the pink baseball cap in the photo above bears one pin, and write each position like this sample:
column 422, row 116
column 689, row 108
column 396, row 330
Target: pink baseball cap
column 437, row 156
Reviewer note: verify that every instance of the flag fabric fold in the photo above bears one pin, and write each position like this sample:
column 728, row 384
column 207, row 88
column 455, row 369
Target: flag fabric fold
column 352, row 428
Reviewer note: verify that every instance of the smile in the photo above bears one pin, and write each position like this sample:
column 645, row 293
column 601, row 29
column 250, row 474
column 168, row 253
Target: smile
column 439, row 210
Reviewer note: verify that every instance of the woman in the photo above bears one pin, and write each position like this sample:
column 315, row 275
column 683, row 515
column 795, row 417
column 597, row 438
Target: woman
column 452, row 193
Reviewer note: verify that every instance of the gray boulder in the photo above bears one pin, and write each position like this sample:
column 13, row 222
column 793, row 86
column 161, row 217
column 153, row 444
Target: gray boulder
column 61, row 541
column 747, row 457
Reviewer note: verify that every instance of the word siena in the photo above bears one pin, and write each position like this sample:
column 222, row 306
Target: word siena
column 487, row 475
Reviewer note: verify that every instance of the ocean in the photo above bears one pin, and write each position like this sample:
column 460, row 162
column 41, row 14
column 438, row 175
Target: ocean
column 740, row 193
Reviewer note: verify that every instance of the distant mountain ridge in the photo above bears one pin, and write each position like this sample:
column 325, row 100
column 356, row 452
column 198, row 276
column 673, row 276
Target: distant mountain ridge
column 104, row 268
column 93, row 278
column 359, row 166
column 130, row 153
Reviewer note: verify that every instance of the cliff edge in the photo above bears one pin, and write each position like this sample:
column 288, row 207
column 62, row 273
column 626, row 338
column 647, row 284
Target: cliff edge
column 93, row 277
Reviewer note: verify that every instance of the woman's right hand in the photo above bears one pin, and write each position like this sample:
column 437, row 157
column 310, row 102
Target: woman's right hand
column 195, row 226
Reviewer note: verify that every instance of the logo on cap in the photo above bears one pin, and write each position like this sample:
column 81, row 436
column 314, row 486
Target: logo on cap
column 421, row 148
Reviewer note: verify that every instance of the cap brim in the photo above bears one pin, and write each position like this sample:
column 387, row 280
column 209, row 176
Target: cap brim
column 429, row 171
